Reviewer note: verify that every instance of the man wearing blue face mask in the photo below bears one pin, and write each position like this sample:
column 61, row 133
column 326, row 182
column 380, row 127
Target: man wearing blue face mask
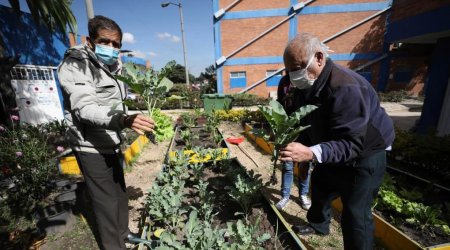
column 91, row 94
column 349, row 134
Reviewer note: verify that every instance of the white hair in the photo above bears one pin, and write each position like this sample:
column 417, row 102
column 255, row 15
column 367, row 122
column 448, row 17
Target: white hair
column 306, row 43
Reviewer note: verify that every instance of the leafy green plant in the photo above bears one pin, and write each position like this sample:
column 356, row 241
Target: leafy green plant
column 422, row 151
column 246, row 190
column 189, row 120
column 197, row 169
column 152, row 86
column 164, row 125
column 26, row 156
column 206, row 205
column 165, row 204
column 215, row 154
column 246, row 236
column 414, row 213
column 186, row 136
column 284, row 128
column 200, row 235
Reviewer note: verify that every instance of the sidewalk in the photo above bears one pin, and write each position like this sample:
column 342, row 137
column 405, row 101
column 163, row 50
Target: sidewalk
column 404, row 114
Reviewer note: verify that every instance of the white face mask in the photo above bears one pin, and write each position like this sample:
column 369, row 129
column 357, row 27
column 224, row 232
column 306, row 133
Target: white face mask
column 299, row 78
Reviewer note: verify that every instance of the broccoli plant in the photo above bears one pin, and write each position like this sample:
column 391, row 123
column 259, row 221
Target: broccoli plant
column 153, row 87
column 187, row 138
column 246, row 190
column 284, row 128
column 246, row 236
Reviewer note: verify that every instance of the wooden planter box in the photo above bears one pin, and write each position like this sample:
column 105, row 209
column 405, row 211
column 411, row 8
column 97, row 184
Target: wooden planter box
column 69, row 165
column 391, row 237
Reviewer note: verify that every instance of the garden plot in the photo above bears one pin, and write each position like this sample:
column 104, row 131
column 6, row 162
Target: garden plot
column 293, row 213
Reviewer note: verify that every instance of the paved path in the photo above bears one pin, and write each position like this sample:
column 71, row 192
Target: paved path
column 404, row 114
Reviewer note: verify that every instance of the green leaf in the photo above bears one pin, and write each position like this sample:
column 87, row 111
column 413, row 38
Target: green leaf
column 165, row 85
column 176, row 97
column 264, row 237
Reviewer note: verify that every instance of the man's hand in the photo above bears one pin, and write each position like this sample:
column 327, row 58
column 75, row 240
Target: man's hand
column 296, row 152
column 139, row 123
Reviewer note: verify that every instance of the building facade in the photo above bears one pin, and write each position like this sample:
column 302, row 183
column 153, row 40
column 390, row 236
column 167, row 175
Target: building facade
column 250, row 37
column 395, row 44
column 421, row 32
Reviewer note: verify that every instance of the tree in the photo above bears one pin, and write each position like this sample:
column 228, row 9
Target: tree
column 210, row 76
column 52, row 13
column 178, row 74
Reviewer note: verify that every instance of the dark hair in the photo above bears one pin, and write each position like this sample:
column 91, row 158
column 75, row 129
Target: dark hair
column 100, row 22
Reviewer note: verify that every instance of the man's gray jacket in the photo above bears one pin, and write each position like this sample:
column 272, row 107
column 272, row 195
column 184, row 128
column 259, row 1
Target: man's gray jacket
column 93, row 105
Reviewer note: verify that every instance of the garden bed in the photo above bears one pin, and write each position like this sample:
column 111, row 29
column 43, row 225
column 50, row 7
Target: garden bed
column 200, row 140
column 388, row 234
column 261, row 217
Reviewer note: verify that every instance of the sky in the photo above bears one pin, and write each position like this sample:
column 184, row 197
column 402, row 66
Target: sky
column 153, row 32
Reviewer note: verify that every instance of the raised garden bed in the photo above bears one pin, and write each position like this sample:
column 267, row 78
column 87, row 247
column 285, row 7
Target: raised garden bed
column 69, row 165
column 227, row 220
column 386, row 233
column 200, row 140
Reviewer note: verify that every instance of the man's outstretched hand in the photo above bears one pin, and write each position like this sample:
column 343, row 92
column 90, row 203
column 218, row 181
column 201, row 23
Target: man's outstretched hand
column 139, row 123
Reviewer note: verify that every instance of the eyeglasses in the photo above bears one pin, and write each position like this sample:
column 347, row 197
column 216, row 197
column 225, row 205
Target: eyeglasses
column 106, row 41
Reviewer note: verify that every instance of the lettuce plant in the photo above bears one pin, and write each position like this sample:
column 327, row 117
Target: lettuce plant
column 284, row 128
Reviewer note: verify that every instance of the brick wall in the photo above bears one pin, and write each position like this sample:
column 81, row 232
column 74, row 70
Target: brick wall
column 254, row 73
column 235, row 33
column 245, row 5
column 366, row 39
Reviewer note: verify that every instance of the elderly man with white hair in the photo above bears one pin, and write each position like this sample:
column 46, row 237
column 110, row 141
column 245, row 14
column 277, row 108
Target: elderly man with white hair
column 347, row 140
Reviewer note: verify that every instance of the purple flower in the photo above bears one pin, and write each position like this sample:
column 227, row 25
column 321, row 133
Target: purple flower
column 60, row 149
column 14, row 117
column 2, row 128
column 19, row 154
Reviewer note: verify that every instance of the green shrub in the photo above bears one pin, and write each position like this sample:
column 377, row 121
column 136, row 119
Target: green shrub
column 393, row 96
column 249, row 100
column 27, row 157
column 425, row 151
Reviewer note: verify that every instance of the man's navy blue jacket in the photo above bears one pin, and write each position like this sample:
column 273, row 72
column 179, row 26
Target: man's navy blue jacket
column 349, row 122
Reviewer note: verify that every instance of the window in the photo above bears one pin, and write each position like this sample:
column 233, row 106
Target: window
column 238, row 79
column 274, row 80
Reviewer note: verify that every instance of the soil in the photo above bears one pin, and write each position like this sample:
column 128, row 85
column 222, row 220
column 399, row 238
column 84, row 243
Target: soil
column 431, row 196
column 199, row 137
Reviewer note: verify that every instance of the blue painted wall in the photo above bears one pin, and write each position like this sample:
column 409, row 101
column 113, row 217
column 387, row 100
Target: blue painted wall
column 135, row 60
column 34, row 43
column 438, row 77
column 293, row 26
column 217, row 48
column 279, row 59
column 421, row 24
column 338, row 8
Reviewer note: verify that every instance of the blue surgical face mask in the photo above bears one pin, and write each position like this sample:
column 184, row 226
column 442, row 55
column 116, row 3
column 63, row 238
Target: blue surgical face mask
column 299, row 78
column 108, row 55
